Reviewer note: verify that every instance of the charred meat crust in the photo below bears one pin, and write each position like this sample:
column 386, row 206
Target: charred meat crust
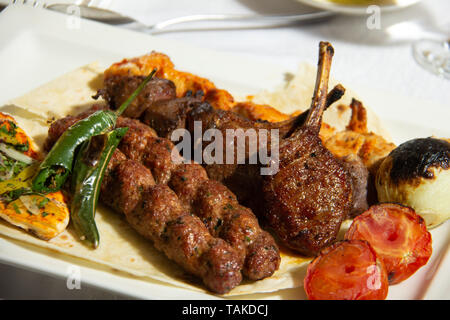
column 414, row 159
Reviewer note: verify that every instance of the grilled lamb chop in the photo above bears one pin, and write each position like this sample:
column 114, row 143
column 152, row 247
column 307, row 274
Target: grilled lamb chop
column 311, row 194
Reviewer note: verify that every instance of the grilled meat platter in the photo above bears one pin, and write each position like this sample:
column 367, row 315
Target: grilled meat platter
column 228, row 205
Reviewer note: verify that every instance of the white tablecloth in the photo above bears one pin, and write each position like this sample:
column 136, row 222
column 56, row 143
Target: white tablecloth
column 365, row 58
column 380, row 59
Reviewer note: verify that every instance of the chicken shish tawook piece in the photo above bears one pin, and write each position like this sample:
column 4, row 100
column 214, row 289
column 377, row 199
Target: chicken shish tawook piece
column 356, row 140
column 184, row 81
column 45, row 216
column 13, row 136
column 211, row 201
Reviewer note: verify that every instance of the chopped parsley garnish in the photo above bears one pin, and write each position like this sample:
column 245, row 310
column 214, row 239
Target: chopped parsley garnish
column 42, row 203
column 24, row 147
column 16, row 208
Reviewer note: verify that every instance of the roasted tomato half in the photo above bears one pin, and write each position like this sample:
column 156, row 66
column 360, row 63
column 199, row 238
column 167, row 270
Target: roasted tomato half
column 347, row 270
column 398, row 235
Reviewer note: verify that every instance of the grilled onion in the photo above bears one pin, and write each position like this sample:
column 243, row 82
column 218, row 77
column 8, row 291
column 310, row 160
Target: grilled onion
column 417, row 174
column 14, row 154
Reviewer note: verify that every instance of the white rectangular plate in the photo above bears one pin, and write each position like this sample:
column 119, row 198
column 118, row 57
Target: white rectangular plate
column 37, row 45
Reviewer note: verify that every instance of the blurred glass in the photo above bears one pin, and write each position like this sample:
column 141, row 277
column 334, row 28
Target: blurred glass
column 434, row 56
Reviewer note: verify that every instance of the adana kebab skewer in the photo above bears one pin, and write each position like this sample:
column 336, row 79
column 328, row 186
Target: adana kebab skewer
column 215, row 204
column 218, row 208
column 210, row 200
column 156, row 213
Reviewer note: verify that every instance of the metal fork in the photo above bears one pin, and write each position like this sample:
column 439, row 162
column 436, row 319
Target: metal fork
column 86, row 10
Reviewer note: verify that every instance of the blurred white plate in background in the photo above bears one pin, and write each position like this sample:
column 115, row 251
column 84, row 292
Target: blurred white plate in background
column 358, row 7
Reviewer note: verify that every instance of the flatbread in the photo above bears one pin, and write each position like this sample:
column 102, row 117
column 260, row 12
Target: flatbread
column 296, row 94
column 121, row 248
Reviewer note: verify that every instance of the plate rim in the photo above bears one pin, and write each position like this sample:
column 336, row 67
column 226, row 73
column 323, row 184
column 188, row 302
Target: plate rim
column 2, row 238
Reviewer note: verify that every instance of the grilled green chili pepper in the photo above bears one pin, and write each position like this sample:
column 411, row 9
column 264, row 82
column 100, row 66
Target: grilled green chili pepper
column 90, row 165
column 58, row 164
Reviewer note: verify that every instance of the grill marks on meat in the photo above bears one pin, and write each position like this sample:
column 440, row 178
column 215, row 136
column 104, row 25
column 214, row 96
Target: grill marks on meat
column 156, row 213
column 215, row 204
